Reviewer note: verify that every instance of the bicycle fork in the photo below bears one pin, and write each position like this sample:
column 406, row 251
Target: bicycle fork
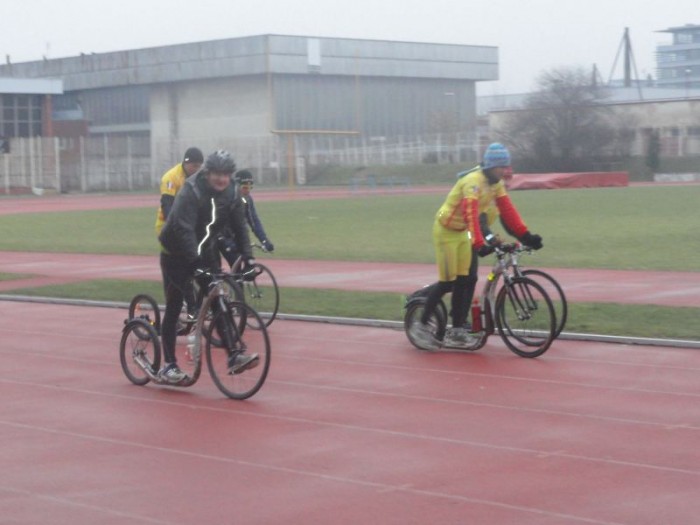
column 522, row 301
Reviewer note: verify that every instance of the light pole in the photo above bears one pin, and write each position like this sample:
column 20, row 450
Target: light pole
column 688, row 71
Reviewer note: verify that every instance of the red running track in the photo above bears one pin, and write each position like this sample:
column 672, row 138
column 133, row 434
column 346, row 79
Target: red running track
column 581, row 285
column 353, row 426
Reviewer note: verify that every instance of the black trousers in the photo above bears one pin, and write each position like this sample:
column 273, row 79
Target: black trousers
column 462, row 290
column 177, row 282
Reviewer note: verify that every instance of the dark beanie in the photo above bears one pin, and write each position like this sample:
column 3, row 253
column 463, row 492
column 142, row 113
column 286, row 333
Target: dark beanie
column 194, row 155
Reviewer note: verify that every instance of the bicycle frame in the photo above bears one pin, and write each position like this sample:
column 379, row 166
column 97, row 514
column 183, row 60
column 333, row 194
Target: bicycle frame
column 488, row 298
column 506, row 259
column 217, row 292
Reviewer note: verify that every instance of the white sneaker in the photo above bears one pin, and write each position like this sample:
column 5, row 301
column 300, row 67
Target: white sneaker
column 458, row 337
column 239, row 363
column 172, row 374
column 422, row 337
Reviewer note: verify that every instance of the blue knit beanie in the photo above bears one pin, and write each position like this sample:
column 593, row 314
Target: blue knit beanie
column 496, row 155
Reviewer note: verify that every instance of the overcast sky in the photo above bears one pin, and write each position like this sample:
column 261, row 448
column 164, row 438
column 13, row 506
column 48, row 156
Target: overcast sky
column 532, row 35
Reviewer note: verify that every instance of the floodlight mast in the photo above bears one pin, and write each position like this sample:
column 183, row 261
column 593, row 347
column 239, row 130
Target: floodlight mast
column 629, row 63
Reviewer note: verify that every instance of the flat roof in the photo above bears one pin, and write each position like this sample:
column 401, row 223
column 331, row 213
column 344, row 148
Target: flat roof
column 686, row 27
column 263, row 54
column 31, row 86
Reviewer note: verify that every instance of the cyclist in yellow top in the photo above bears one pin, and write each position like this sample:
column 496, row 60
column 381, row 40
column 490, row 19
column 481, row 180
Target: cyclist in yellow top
column 458, row 238
column 170, row 185
column 173, row 180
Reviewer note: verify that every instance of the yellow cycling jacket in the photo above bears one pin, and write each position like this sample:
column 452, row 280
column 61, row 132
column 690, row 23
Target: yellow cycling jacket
column 170, row 184
column 472, row 195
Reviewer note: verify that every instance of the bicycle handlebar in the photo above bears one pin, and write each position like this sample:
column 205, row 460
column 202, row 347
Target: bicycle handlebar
column 259, row 247
column 510, row 248
column 208, row 272
column 505, row 248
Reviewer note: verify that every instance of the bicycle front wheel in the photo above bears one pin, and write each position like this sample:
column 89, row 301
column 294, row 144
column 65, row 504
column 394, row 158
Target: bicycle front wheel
column 262, row 293
column 555, row 293
column 241, row 383
column 139, row 349
column 525, row 317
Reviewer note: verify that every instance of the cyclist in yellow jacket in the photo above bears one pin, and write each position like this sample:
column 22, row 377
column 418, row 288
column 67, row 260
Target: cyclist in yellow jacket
column 170, row 185
column 458, row 239
column 173, row 180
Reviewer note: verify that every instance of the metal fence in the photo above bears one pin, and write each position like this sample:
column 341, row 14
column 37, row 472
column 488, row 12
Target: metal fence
column 128, row 163
column 83, row 164
column 272, row 158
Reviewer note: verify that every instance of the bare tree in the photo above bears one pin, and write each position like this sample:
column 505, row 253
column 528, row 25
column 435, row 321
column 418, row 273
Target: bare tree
column 563, row 125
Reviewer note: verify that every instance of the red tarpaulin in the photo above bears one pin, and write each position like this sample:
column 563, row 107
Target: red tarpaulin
column 551, row 181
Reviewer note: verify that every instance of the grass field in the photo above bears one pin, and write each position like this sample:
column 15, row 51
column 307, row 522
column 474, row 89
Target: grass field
column 640, row 228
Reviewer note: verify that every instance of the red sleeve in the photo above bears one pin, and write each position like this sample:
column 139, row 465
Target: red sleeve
column 470, row 213
column 510, row 215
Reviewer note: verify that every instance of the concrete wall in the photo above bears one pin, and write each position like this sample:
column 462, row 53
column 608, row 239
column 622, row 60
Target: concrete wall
column 673, row 120
column 206, row 114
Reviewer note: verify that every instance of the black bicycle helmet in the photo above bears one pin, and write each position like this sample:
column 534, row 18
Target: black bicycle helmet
column 243, row 176
column 220, row 161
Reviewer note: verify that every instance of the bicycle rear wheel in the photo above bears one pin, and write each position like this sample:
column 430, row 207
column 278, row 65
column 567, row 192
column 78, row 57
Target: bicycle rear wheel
column 437, row 322
column 525, row 317
column 555, row 293
column 246, row 383
column 139, row 348
column 262, row 294
column 145, row 307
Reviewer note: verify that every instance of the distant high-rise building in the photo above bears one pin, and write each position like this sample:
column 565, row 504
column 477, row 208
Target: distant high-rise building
column 678, row 64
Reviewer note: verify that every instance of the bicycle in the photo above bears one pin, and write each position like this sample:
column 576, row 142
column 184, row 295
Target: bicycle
column 549, row 283
column 259, row 288
column 140, row 348
column 144, row 306
column 520, row 310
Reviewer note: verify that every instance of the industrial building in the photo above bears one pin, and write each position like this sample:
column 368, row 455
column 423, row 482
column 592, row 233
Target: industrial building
column 280, row 103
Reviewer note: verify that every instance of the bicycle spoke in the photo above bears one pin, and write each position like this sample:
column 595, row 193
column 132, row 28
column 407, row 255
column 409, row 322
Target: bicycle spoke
column 235, row 383
column 525, row 317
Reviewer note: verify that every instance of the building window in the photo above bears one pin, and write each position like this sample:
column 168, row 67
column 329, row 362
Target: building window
column 684, row 38
column 20, row 115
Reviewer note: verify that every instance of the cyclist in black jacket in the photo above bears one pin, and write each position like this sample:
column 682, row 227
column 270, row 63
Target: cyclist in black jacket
column 207, row 204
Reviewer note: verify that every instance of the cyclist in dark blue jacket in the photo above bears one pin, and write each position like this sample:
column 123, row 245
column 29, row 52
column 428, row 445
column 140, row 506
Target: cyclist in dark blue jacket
column 244, row 180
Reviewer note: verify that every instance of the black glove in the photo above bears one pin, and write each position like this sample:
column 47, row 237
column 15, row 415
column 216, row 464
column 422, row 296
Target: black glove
column 268, row 246
column 485, row 250
column 532, row 240
column 248, row 270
